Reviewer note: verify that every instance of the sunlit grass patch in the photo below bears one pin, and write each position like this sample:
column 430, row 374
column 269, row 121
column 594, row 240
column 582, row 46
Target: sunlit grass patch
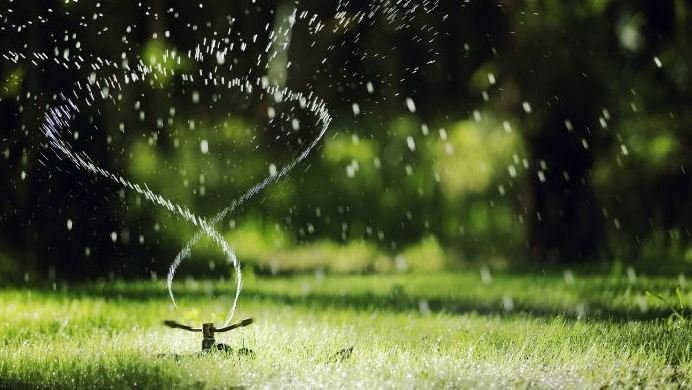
column 445, row 330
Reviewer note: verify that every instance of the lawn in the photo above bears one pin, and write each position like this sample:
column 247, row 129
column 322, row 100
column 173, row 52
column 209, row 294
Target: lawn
column 442, row 330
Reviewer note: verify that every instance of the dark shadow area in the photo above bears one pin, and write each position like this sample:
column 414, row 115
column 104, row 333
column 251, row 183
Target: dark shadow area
column 457, row 305
column 395, row 301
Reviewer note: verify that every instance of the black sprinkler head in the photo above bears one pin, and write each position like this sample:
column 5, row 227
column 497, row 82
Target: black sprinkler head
column 208, row 330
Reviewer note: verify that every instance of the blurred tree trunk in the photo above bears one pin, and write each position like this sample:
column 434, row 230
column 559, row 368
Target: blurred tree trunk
column 565, row 222
column 556, row 91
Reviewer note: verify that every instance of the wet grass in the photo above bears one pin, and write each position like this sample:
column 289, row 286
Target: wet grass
column 444, row 330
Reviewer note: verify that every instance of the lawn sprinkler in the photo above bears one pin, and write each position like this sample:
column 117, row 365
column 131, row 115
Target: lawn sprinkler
column 208, row 330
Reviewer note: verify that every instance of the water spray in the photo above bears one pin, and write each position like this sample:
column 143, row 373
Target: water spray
column 65, row 106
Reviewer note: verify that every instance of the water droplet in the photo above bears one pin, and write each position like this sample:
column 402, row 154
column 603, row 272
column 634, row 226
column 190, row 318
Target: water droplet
column 507, row 303
column 423, row 307
column 486, row 277
column 491, row 79
column 631, row 275
column 352, row 168
column 541, row 176
column 477, row 115
column 356, row 109
column 527, row 107
column 424, row 129
column 410, row 104
column 370, row 87
column 411, row 143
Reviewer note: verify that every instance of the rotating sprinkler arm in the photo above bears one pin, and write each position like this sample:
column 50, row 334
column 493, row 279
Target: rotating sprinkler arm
column 240, row 324
column 175, row 325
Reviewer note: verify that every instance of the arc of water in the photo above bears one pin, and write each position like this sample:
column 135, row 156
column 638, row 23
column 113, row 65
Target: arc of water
column 59, row 116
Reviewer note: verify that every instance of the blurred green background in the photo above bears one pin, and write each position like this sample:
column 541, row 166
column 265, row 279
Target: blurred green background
column 509, row 134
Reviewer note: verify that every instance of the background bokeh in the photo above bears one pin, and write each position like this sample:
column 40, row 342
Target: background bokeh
column 509, row 134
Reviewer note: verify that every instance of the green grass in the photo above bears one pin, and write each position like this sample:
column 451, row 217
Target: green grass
column 444, row 330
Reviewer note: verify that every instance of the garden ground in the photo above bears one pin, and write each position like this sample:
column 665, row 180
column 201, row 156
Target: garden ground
column 443, row 330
